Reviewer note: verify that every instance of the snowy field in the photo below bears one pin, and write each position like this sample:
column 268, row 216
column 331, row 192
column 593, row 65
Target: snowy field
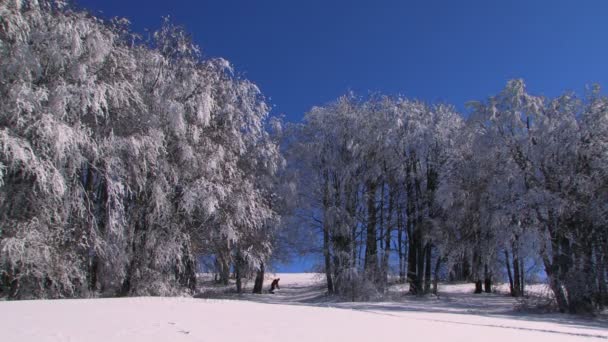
column 298, row 312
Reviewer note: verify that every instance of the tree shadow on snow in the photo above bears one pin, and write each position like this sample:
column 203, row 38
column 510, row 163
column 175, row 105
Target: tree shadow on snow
column 484, row 305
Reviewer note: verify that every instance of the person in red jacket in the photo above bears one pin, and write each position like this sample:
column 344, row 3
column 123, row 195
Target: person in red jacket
column 274, row 285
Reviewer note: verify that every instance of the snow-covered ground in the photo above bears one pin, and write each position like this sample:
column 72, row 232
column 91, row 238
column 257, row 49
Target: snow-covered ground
column 298, row 312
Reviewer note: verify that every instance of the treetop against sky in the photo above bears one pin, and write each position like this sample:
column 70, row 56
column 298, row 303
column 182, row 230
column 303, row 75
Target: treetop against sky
column 305, row 53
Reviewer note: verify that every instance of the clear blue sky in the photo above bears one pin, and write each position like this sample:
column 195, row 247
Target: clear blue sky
column 308, row 52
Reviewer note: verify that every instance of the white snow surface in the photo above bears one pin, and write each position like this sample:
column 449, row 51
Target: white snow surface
column 299, row 311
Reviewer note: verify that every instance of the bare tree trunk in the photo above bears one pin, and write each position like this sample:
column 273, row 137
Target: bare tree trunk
column 326, row 254
column 412, row 263
column 477, row 270
column 478, row 287
column 553, row 268
column 387, row 238
column 93, row 272
column 238, row 272
column 418, row 230
column 353, row 213
column 427, row 268
column 371, row 248
column 487, row 279
column 400, row 249
column 328, row 268
column 354, row 261
column 415, row 260
column 556, row 285
column 187, row 275
column 381, row 217
column 421, row 251
column 224, row 270
column 412, row 234
column 461, row 270
column 508, row 264
column 361, row 256
column 516, row 272
column 379, row 279
column 259, row 280
column 436, row 275
column 522, row 282
column 601, row 278
column 11, row 283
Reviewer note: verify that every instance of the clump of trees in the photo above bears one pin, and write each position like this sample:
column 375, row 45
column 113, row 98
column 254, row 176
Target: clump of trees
column 374, row 169
column 122, row 160
column 521, row 178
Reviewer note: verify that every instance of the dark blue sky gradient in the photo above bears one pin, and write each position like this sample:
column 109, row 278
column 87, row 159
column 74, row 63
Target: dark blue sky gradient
column 305, row 53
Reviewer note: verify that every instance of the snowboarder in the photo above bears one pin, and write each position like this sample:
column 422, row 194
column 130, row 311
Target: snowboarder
column 274, row 285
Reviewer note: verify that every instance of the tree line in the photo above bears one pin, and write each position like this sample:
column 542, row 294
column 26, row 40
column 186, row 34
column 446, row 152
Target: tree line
column 124, row 159
column 442, row 197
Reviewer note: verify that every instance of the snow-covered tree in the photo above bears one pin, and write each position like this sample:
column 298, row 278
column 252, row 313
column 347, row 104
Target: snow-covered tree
column 123, row 160
column 373, row 168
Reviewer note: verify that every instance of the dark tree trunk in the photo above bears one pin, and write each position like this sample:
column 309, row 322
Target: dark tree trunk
column 13, row 292
column 344, row 241
column 186, row 274
column 420, row 258
column 508, row 264
column 478, row 287
column 601, row 279
column 416, row 257
column 126, row 283
column 579, row 283
column 558, row 291
column 436, row 275
column 96, row 199
column 352, row 211
column 400, row 247
column 354, row 261
column 371, row 248
column 216, row 273
column 326, row 237
column 238, row 272
column 412, row 232
column 522, row 282
column 3, row 284
column 380, row 219
column 137, row 252
column 224, row 270
column 239, row 284
column 555, row 283
column 427, row 268
column 477, row 268
column 259, row 280
column 411, row 266
column 466, row 268
column 461, row 270
column 93, row 270
column 418, row 233
column 11, row 284
column 487, row 280
column 387, row 239
column 327, row 257
column 516, row 273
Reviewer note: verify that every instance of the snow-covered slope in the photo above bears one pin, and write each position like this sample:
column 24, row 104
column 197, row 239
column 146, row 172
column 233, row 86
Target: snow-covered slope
column 153, row 319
